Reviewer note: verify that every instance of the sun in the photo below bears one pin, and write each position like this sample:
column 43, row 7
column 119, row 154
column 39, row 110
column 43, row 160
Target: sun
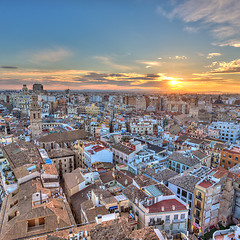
column 174, row 82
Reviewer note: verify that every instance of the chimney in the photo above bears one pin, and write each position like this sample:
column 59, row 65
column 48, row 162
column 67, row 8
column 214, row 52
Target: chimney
column 173, row 207
column 162, row 208
column 58, row 219
column 40, row 197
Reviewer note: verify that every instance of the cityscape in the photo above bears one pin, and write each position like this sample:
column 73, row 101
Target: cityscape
column 120, row 120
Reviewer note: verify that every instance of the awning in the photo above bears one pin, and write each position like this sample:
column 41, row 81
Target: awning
column 48, row 161
column 114, row 207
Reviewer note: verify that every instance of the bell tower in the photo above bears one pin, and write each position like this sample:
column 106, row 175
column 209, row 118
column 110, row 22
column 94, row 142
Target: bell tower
column 35, row 119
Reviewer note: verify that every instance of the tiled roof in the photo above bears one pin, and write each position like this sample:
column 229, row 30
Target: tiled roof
column 62, row 152
column 186, row 182
column 74, row 178
column 168, row 205
column 144, row 181
column 67, row 136
column 132, row 193
column 21, row 153
column 122, row 148
column 184, row 159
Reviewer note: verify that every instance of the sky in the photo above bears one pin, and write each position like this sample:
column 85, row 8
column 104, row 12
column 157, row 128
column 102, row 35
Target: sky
column 147, row 45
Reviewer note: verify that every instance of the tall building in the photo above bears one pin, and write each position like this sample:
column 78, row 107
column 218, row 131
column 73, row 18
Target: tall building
column 37, row 87
column 35, row 119
column 24, row 89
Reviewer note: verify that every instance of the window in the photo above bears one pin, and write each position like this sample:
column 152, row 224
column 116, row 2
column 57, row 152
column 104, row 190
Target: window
column 175, row 216
column 199, row 195
column 184, row 193
column 168, row 218
column 230, row 156
column 190, row 196
column 236, row 158
column 223, row 161
column 182, row 216
column 178, row 191
column 229, row 162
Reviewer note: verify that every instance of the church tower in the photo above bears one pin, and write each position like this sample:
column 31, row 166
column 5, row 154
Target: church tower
column 35, row 119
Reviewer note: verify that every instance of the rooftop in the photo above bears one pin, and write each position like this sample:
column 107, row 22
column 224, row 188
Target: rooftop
column 66, row 136
column 21, row 153
column 168, row 205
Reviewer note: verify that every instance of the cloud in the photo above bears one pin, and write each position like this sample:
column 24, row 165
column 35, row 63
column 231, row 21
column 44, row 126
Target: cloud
column 81, row 79
column 150, row 64
column 178, row 57
column 191, row 29
column 111, row 63
column 221, row 16
column 227, row 67
column 50, row 55
column 9, row 67
column 232, row 43
column 211, row 55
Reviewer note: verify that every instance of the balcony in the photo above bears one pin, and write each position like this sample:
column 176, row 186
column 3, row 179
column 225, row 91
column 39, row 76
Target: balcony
column 197, row 217
column 179, row 220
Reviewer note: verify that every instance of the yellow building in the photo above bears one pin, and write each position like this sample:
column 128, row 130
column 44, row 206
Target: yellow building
column 92, row 109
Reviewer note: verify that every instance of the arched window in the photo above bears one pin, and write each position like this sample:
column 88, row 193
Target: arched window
column 34, row 115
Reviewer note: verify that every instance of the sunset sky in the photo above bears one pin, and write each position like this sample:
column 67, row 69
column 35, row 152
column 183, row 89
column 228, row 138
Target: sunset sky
column 168, row 46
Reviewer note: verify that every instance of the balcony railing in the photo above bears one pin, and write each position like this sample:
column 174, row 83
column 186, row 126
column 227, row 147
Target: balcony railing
column 179, row 220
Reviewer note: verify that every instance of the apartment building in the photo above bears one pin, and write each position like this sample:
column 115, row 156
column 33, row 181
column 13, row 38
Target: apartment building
column 229, row 131
column 183, row 185
column 180, row 161
column 230, row 157
column 141, row 127
column 63, row 159
column 122, row 153
column 96, row 153
column 213, row 200
column 158, row 207
column 92, row 109
column 213, row 147
column 33, row 210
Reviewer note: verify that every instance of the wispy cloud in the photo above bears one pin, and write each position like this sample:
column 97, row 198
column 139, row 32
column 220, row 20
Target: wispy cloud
column 109, row 61
column 8, row 67
column 150, row 64
column 191, row 29
column 50, row 55
column 211, row 55
column 222, row 16
column 178, row 57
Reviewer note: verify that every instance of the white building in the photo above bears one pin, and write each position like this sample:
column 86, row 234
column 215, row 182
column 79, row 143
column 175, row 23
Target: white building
column 229, row 131
column 97, row 153
column 158, row 207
